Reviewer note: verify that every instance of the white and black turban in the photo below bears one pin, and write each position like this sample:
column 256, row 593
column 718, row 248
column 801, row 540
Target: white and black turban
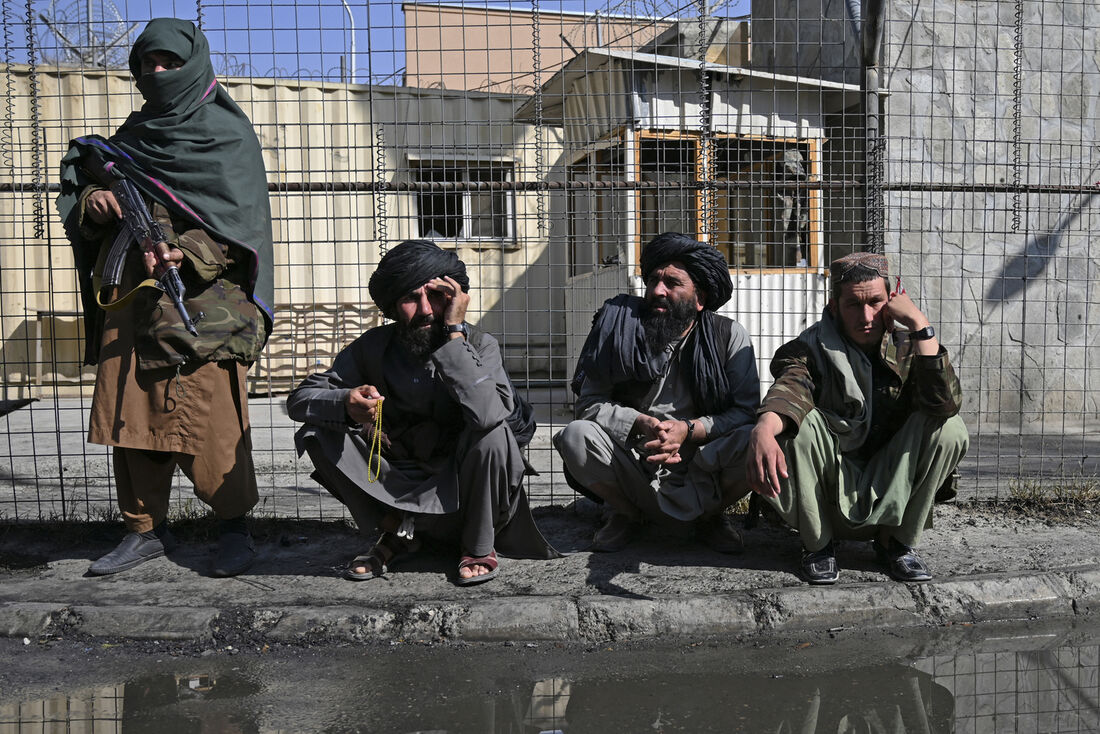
column 410, row 265
column 707, row 267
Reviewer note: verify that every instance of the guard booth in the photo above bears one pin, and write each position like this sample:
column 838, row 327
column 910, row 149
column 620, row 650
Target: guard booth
column 727, row 154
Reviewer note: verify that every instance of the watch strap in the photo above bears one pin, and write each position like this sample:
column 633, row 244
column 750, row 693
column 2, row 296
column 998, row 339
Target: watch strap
column 922, row 334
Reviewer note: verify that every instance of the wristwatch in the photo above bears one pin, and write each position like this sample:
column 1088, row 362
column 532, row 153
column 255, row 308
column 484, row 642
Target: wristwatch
column 691, row 430
column 922, row 334
column 457, row 329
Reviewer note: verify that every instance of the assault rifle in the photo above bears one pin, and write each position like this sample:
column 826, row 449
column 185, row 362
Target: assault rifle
column 138, row 228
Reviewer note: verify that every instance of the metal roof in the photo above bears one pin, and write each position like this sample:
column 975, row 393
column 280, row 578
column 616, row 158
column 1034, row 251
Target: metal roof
column 594, row 59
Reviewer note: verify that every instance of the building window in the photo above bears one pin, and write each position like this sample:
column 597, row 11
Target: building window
column 765, row 224
column 762, row 220
column 597, row 217
column 460, row 212
column 670, row 162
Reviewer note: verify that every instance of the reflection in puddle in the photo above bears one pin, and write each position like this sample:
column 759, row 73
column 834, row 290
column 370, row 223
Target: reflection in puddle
column 1043, row 690
column 163, row 703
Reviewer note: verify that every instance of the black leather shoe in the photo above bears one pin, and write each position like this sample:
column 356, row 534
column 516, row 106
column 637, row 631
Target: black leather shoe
column 615, row 533
column 719, row 534
column 902, row 562
column 236, row 552
column 135, row 549
column 819, row 567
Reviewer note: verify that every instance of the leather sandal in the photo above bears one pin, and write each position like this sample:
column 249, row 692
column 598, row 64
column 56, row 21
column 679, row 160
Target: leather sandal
column 387, row 550
column 468, row 561
column 235, row 555
column 614, row 534
column 718, row 533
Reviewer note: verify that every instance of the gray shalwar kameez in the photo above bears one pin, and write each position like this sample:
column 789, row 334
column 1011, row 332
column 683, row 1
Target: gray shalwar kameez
column 598, row 446
column 450, row 460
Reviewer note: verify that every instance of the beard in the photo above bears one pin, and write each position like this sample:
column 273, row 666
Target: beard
column 661, row 328
column 420, row 342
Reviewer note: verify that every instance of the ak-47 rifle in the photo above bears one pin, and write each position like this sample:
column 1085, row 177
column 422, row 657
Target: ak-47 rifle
column 138, row 228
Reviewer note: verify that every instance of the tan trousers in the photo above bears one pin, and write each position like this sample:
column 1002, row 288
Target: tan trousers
column 199, row 422
column 224, row 479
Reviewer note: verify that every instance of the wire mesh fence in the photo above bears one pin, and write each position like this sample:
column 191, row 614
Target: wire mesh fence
column 546, row 142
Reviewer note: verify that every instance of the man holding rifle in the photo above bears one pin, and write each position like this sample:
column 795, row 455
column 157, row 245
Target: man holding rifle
column 171, row 230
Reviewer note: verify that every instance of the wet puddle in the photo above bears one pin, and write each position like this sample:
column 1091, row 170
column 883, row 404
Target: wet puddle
column 1016, row 683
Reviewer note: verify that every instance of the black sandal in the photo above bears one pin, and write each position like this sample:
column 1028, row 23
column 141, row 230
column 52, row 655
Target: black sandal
column 388, row 549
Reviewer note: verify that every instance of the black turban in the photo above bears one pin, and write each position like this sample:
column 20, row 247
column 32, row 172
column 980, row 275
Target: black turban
column 706, row 266
column 407, row 267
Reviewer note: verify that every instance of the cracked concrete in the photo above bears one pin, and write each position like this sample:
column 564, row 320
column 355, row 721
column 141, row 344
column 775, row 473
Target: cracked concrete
column 988, row 567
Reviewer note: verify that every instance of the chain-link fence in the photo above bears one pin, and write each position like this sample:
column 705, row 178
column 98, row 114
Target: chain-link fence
column 545, row 142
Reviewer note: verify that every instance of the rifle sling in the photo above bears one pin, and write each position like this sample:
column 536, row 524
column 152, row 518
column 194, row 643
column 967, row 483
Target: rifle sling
column 109, row 267
column 124, row 301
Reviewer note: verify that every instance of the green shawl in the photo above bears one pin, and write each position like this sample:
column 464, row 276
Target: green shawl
column 191, row 148
column 846, row 375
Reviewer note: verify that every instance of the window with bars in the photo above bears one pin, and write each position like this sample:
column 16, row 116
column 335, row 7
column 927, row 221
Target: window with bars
column 767, row 223
column 463, row 212
column 671, row 162
column 597, row 217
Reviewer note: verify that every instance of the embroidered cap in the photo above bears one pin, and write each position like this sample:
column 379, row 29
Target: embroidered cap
column 841, row 268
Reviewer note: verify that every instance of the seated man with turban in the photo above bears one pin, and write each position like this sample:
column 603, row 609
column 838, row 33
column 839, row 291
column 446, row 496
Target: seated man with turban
column 666, row 394
column 409, row 427
column 861, row 426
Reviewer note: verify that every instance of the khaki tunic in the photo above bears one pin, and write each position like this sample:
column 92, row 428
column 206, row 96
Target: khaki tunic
column 194, row 417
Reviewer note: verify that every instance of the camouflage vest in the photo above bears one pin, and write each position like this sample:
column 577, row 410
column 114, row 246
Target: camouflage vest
column 230, row 327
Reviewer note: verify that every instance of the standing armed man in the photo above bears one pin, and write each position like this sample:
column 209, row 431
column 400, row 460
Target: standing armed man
column 170, row 393
column 666, row 394
column 861, row 426
column 445, row 464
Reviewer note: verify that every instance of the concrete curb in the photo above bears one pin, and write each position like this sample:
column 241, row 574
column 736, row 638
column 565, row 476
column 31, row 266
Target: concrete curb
column 986, row 598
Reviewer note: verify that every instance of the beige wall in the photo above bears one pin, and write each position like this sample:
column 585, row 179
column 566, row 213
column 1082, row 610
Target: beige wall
column 326, row 244
column 493, row 50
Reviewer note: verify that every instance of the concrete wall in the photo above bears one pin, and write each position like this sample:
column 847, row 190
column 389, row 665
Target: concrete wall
column 1009, row 277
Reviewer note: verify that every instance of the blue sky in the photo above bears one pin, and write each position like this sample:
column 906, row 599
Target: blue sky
column 308, row 38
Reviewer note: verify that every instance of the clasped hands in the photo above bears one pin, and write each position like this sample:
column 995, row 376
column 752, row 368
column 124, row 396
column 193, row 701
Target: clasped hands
column 662, row 439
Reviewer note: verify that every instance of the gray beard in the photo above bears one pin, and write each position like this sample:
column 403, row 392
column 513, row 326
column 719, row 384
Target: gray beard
column 661, row 328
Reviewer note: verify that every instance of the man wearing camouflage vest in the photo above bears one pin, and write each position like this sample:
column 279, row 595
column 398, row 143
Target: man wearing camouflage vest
column 168, row 393
column 861, row 426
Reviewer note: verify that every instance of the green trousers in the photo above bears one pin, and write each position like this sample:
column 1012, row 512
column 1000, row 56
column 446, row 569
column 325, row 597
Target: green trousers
column 829, row 495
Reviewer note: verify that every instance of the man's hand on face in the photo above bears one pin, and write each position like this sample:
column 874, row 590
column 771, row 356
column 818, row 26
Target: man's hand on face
column 900, row 308
column 766, row 462
column 456, row 301
column 102, row 207
column 362, row 404
column 161, row 257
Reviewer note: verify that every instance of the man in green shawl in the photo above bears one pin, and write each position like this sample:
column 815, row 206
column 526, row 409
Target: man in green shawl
column 861, row 426
column 165, row 397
